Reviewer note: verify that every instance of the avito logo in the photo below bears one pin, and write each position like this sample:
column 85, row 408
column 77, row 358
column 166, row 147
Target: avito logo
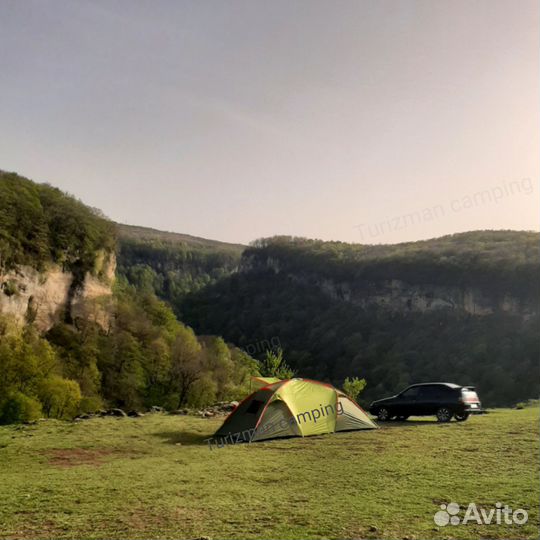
column 449, row 515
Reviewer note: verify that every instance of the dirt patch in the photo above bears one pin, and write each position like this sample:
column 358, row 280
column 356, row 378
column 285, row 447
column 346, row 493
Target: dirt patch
column 71, row 457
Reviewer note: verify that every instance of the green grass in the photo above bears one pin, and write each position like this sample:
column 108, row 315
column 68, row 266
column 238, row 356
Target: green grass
column 154, row 477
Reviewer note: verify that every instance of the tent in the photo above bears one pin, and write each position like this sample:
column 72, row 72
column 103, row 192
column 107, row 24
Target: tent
column 260, row 382
column 293, row 407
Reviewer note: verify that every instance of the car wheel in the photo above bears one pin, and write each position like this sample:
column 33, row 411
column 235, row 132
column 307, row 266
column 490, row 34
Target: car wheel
column 402, row 418
column 461, row 417
column 383, row 415
column 444, row 414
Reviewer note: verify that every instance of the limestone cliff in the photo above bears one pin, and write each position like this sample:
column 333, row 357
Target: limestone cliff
column 397, row 295
column 53, row 295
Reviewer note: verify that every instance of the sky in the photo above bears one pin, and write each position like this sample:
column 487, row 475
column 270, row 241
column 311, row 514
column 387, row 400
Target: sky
column 361, row 121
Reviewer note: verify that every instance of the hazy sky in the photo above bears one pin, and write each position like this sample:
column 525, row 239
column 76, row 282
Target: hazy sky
column 363, row 121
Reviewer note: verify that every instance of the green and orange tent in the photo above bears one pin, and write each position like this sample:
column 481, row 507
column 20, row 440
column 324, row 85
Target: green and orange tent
column 292, row 407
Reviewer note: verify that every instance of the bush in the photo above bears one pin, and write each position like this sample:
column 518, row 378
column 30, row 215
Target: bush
column 529, row 403
column 202, row 392
column 18, row 408
column 90, row 404
column 60, row 397
column 353, row 387
column 273, row 365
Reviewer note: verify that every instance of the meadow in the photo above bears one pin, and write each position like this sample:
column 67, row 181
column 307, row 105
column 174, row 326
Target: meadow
column 155, row 477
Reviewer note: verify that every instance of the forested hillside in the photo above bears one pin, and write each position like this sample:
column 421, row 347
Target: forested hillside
column 39, row 225
column 499, row 262
column 171, row 264
column 310, row 295
column 143, row 356
column 461, row 308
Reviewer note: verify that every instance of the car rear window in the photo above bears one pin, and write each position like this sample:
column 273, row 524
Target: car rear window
column 469, row 395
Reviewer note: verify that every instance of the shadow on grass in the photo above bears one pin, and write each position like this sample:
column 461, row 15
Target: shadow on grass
column 187, row 438
column 415, row 423
column 194, row 438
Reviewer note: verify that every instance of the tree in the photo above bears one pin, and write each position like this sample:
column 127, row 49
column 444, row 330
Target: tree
column 186, row 364
column 273, row 365
column 18, row 407
column 353, row 387
column 60, row 397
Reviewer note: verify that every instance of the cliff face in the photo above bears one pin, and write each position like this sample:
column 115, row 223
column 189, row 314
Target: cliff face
column 399, row 296
column 49, row 297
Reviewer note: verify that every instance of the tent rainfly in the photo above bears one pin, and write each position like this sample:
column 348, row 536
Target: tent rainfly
column 293, row 407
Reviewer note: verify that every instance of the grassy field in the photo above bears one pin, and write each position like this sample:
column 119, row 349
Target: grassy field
column 155, row 477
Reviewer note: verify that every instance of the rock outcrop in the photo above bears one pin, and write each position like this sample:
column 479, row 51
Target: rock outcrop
column 49, row 297
column 399, row 296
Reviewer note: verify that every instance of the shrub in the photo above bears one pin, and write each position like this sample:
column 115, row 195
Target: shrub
column 353, row 387
column 60, row 397
column 90, row 404
column 273, row 365
column 202, row 392
column 528, row 403
column 19, row 408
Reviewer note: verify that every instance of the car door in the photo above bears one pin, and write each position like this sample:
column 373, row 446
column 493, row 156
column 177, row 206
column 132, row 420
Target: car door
column 428, row 398
column 407, row 403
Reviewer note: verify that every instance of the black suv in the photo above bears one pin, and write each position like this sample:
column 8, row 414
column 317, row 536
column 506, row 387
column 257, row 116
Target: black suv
column 444, row 400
